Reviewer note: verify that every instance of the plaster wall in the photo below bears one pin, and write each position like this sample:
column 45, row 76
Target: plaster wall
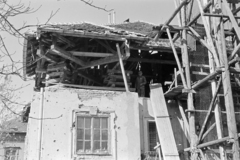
column 58, row 130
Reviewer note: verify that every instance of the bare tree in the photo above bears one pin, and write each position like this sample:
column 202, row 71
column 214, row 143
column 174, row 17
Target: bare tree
column 7, row 11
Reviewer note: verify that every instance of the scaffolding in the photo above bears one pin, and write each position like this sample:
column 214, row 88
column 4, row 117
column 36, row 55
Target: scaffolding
column 214, row 15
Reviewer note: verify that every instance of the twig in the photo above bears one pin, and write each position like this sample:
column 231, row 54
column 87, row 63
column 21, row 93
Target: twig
column 90, row 3
column 29, row 116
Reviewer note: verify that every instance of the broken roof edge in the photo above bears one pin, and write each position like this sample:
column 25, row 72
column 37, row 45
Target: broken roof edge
column 93, row 88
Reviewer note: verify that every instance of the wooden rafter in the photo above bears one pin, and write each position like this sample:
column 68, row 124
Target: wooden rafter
column 63, row 39
column 67, row 55
column 107, row 46
column 144, row 60
column 90, row 54
column 101, row 61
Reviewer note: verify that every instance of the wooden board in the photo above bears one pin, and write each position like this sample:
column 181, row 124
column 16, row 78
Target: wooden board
column 163, row 123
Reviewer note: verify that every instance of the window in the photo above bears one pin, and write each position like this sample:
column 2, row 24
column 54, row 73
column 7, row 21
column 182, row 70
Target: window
column 11, row 153
column 92, row 135
column 153, row 135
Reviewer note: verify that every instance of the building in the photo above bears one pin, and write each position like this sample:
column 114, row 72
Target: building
column 13, row 134
column 85, row 106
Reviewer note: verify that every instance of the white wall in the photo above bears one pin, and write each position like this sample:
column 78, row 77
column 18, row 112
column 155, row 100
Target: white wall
column 57, row 137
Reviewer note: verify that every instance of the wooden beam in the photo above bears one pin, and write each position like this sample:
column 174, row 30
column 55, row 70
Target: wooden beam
column 51, row 58
column 63, row 39
column 214, row 142
column 73, row 33
column 208, row 33
column 185, row 121
column 126, row 46
column 144, row 60
column 93, row 87
column 203, row 42
column 228, row 96
column 218, row 15
column 190, row 103
column 108, row 47
column 234, row 60
column 122, row 68
column 211, row 107
column 207, row 78
column 177, row 59
column 56, row 74
column 90, row 54
column 156, row 48
column 171, row 18
column 54, row 67
column 67, row 55
column 234, row 70
column 206, row 111
column 232, row 18
column 163, row 123
column 205, row 8
column 234, row 52
column 208, row 131
column 101, row 61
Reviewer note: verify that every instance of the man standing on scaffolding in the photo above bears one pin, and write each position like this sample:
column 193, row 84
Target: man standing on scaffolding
column 140, row 84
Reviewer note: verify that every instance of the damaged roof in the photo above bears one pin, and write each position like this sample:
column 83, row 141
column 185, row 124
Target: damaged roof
column 138, row 34
column 14, row 126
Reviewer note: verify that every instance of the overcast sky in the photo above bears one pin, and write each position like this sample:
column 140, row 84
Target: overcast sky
column 152, row 11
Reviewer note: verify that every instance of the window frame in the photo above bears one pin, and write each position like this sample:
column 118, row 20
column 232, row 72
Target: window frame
column 10, row 156
column 86, row 115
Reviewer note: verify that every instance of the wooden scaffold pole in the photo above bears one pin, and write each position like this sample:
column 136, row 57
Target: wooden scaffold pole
column 212, row 67
column 190, row 104
column 229, row 104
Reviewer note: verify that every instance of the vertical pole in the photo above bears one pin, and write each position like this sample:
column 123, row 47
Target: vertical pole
column 177, row 59
column 217, row 110
column 113, row 17
column 122, row 68
column 40, row 125
column 191, row 115
column 228, row 97
column 109, row 18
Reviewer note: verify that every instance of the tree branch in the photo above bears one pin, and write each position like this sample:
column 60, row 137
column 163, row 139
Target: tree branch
column 90, row 3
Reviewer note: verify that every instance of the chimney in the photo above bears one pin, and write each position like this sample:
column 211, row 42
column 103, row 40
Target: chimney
column 113, row 17
column 109, row 18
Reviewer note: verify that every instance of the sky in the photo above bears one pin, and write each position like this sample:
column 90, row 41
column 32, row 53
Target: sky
column 72, row 11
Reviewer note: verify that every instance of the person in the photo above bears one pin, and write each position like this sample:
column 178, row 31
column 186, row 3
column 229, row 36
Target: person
column 140, row 84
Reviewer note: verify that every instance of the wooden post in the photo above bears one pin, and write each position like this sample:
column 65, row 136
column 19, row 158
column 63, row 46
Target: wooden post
column 217, row 110
column 199, row 14
column 122, row 68
column 231, row 120
column 191, row 116
column 176, row 58
column 208, row 33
